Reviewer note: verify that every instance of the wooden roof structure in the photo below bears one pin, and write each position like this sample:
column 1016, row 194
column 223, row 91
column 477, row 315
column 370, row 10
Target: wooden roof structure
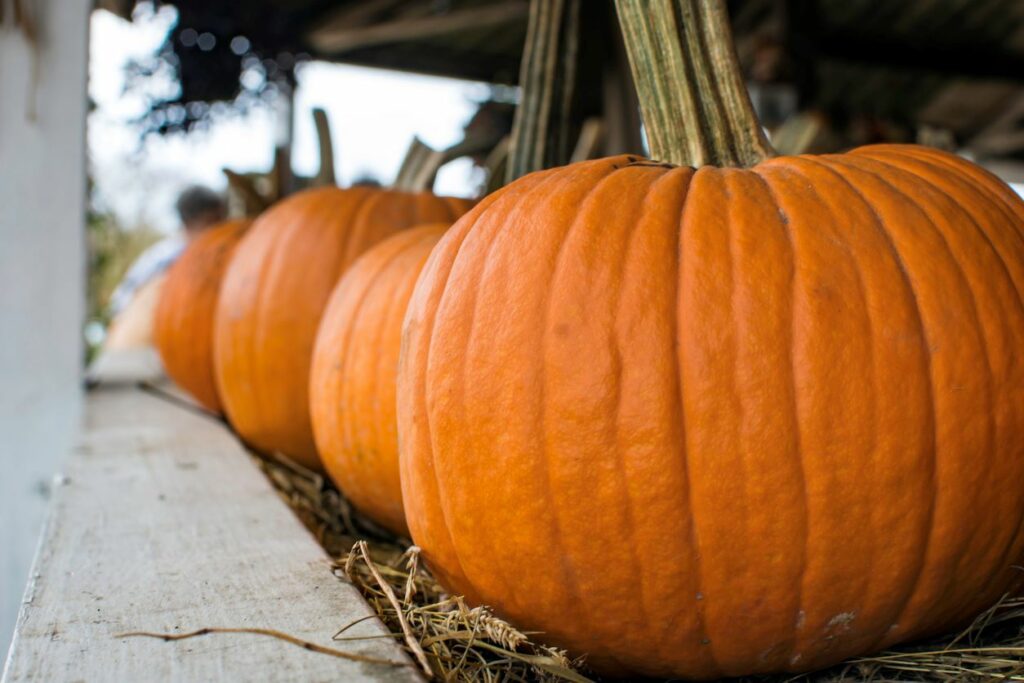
column 887, row 68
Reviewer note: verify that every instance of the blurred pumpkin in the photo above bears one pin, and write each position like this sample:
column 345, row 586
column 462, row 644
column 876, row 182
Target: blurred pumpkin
column 183, row 326
column 352, row 383
column 132, row 328
column 273, row 295
column 720, row 421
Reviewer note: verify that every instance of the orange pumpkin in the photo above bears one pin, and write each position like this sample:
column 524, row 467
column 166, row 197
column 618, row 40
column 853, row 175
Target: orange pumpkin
column 183, row 326
column 725, row 421
column 274, row 293
column 352, row 383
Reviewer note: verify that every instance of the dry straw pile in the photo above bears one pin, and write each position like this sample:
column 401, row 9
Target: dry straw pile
column 452, row 642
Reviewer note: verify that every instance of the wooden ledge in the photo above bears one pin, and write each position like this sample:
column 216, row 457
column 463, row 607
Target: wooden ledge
column 163, row 523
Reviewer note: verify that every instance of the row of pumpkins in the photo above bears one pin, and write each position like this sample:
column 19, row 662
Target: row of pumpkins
column 757, row 416
column 539, row 377
column 255, row 324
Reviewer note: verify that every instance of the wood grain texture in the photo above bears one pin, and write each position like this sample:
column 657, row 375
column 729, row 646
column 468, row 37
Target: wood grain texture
column 162, row 523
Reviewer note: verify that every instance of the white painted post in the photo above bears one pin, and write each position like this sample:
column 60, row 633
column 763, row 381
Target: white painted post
column 42, row 273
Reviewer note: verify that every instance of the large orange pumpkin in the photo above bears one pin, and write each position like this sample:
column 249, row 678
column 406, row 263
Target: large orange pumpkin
column 724, row 421
column 183, row 327
column 275, row 290
column 352, row 383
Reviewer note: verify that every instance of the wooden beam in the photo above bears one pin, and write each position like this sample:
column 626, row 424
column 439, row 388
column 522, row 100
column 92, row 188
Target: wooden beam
column 981, row 61
column 339, row 39
column 1004, row 134
column 589, row 142
column 357, row 14
column 163, row 523
column 435, row 59
column 496, row 166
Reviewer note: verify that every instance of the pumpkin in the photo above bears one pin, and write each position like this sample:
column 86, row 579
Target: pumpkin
column 132, row 328
column 183, row 326
column 275, row 290
column 352, row 383
column 720, row 421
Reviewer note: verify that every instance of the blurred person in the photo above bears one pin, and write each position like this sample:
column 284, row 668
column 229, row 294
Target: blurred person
column 134, row 300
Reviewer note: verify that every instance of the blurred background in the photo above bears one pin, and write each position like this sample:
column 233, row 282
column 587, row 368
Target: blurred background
column 109, row 109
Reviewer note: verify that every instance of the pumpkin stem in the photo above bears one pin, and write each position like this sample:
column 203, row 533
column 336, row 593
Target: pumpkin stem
column 325, row 176
column 419, row 168
column 548, row 77
column 693, row 100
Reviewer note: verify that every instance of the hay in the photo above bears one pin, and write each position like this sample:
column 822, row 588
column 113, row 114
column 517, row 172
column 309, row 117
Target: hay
column 455, row 642
column 449, row 640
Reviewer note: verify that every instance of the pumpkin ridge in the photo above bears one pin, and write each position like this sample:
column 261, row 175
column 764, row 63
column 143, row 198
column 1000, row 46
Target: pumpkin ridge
column 702, row 626
column 981, row 178
column 259, row 322
column 382, row 370
column 1003, row 208
column 968, row 283
column 575, row 223
column 933, row 505
column 967, row 183
column 978, row 176
column 796, row 167
column 184, row 316
column 965, row 281
column 343, row 286
column 670, row 176
column 420, row 401
column 715, row 357
column 979, row 225
column 833, row 206
column 718, row 176
column 214, row 382
column 992, row 383
column 550, row 185
column 798, row 448
column 270, row 273
column 616, row 355
column 429, row 341
column 361, row 224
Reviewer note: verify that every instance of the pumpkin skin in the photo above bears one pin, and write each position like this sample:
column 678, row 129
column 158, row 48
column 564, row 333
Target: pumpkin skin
column 355, row 362
column 183, row 328
column 273, row 295
column 724, row 422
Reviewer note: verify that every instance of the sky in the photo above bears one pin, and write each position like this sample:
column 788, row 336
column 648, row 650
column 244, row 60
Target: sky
column 373, row 114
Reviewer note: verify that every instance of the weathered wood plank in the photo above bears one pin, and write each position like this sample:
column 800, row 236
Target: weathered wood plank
column 162, row 523
column 335, row 38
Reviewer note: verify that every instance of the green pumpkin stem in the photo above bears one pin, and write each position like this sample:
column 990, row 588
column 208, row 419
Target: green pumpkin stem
column 693, row 100
column 547, row 76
